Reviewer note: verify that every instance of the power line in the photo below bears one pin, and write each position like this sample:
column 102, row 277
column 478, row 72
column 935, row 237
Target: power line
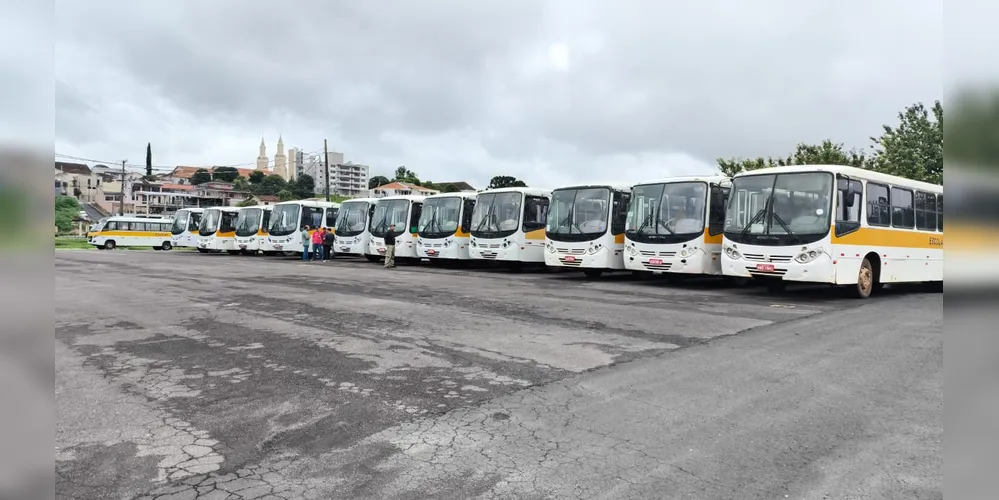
column 271, row 163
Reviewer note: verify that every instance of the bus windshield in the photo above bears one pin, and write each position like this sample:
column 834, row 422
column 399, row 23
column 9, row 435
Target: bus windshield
column 228, row 222
column 248, row 221
column 388, row 213
column 496, row 215
column 210, row 222
column 180, row 222
column 440, row 217
column 670, row 212
column 578, row 214
column 352, row 218
column 284, row 219
column 781, row 209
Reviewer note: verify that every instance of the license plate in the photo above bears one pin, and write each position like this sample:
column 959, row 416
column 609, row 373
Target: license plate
column 381, row 250
column 344, row 249
column 570, row 258
column 656, row 262
column 431, row 252
column 243, row 247
column 765, row 267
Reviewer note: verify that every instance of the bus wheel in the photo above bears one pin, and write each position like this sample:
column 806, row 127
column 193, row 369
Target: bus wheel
column 167, row 246
column 865, row 281
column 109, row 245
column 593, row 273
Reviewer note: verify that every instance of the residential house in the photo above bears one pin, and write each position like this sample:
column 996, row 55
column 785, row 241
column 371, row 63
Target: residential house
column 183, row 174
column 460, row 185
column 79, row 181
column 397, row 188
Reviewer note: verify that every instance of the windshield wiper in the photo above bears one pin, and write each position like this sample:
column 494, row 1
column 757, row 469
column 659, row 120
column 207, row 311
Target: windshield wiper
column 433, row 218
column 645, row 223
column 664, row 225
column 486, row 217
column 380, row 224
column 759, row 215
column 785, row 227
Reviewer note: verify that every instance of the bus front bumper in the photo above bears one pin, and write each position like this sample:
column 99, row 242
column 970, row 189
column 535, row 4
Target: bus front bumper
column 820, row 270
column 696, row 263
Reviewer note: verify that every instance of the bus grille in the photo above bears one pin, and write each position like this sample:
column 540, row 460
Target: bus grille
column 649, row 253
column 571, row 263
column 488, row 255
column 659, row 267
column 568, row 251
column 755, row 257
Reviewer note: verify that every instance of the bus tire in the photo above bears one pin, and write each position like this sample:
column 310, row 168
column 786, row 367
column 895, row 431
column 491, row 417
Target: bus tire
column 593, row 273
column 866, row 281
column 167, row 246
column 109, row 245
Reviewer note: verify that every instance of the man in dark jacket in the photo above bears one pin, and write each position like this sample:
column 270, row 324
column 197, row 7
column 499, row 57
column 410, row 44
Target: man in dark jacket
column 328, row 240
column 390, row 247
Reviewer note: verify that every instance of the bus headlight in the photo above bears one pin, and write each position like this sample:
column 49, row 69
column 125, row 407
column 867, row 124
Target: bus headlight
column 688, row 251
column 593, row 249
column 632, row 250
column 550, row 247
column 732, row 253
column 807, row 256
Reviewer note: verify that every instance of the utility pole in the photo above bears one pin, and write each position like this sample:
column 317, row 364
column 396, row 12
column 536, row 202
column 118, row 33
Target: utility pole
column 121, row 206
column 326, row 163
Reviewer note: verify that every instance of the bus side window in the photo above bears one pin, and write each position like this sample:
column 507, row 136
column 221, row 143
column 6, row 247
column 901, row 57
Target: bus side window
column 902, row 214
column 940, row 216
column 926, row 211
column 414, row 218
column 619, row 212
column 848, row 215
column 331, row 216
column 716, row 210
column 878, row 207
column 466, row 216
column 535, row 213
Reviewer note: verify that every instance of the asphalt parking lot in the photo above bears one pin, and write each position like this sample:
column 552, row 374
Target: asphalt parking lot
column 181, row 375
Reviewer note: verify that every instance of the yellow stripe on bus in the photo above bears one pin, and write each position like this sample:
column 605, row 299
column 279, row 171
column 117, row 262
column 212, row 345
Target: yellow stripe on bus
column 885, row 237
column 619, row 239
column 458, row 233
column 712, row 240
column 230, row 234
column 537, row 234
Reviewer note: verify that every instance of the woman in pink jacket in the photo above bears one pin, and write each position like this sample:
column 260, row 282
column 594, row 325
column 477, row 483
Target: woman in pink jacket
column 317, row 244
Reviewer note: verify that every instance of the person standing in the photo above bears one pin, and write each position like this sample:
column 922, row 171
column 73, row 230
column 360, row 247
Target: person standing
column 317, row 244
column 306, row 240
column 390, row 247
column 328, row 240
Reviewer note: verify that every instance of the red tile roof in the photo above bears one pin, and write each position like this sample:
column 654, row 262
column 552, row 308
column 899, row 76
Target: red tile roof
column 403, row 185
column 186, row 172
column 182, row 187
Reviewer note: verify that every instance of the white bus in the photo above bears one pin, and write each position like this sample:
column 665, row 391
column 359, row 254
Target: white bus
column 508, row 225
column 288, row 218
column 118, row 231
column 184, row 231
column 251, row 228
column 351, row 233
column 444, row 225
column 404, row 212
column 585, row 227
column 675, row 226
column 217, row 231
column 833, row 224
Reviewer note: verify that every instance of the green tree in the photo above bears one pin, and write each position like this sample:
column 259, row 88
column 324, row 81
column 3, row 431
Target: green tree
column 502, row 181
column 225, row 174
column 304, row 186
column 285, row 195
column 914, row 148
column 201, row 176
column 67, row 209
column 149, row 159
column 271, row 185
column 242, row 184
column 826, row 153
column 403, row 174
column 257, row 176
column 249, row 202
column 450, row 188
column 378, row 180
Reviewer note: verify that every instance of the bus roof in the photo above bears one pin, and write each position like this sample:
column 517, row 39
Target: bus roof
column 224, row 209
column 310, row 203
column 525, row 190
column 191, row 209
column 459, row 194
column 848, row 171
column 617, row 186
column 265, row 207
column 409, row 197
column 717, row 178
column 132, row 218
column 359, row 200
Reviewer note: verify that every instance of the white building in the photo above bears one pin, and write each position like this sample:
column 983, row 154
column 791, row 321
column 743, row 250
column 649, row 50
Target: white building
column 396, row 188
column 349, row 179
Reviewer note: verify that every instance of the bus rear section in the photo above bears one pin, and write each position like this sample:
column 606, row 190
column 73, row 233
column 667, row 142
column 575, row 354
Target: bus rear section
column 585, row 228
column 674, row 226
column 251, row 228
column 508, row 225
column 404, row 213
column 184, row 230
column 444, row 227
column 217, row 232
column 351, row 235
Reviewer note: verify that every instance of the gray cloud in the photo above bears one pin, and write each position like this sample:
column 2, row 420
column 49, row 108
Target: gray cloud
column 457, row 89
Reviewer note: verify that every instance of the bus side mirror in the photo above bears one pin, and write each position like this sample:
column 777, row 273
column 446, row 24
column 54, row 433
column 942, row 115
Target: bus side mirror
column 850, row 197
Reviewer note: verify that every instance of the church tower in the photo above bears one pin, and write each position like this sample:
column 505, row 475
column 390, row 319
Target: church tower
column 262, row 161
column 280, row 160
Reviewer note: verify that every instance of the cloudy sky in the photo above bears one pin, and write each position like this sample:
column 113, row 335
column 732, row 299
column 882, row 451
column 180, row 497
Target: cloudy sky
column 551, row 92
